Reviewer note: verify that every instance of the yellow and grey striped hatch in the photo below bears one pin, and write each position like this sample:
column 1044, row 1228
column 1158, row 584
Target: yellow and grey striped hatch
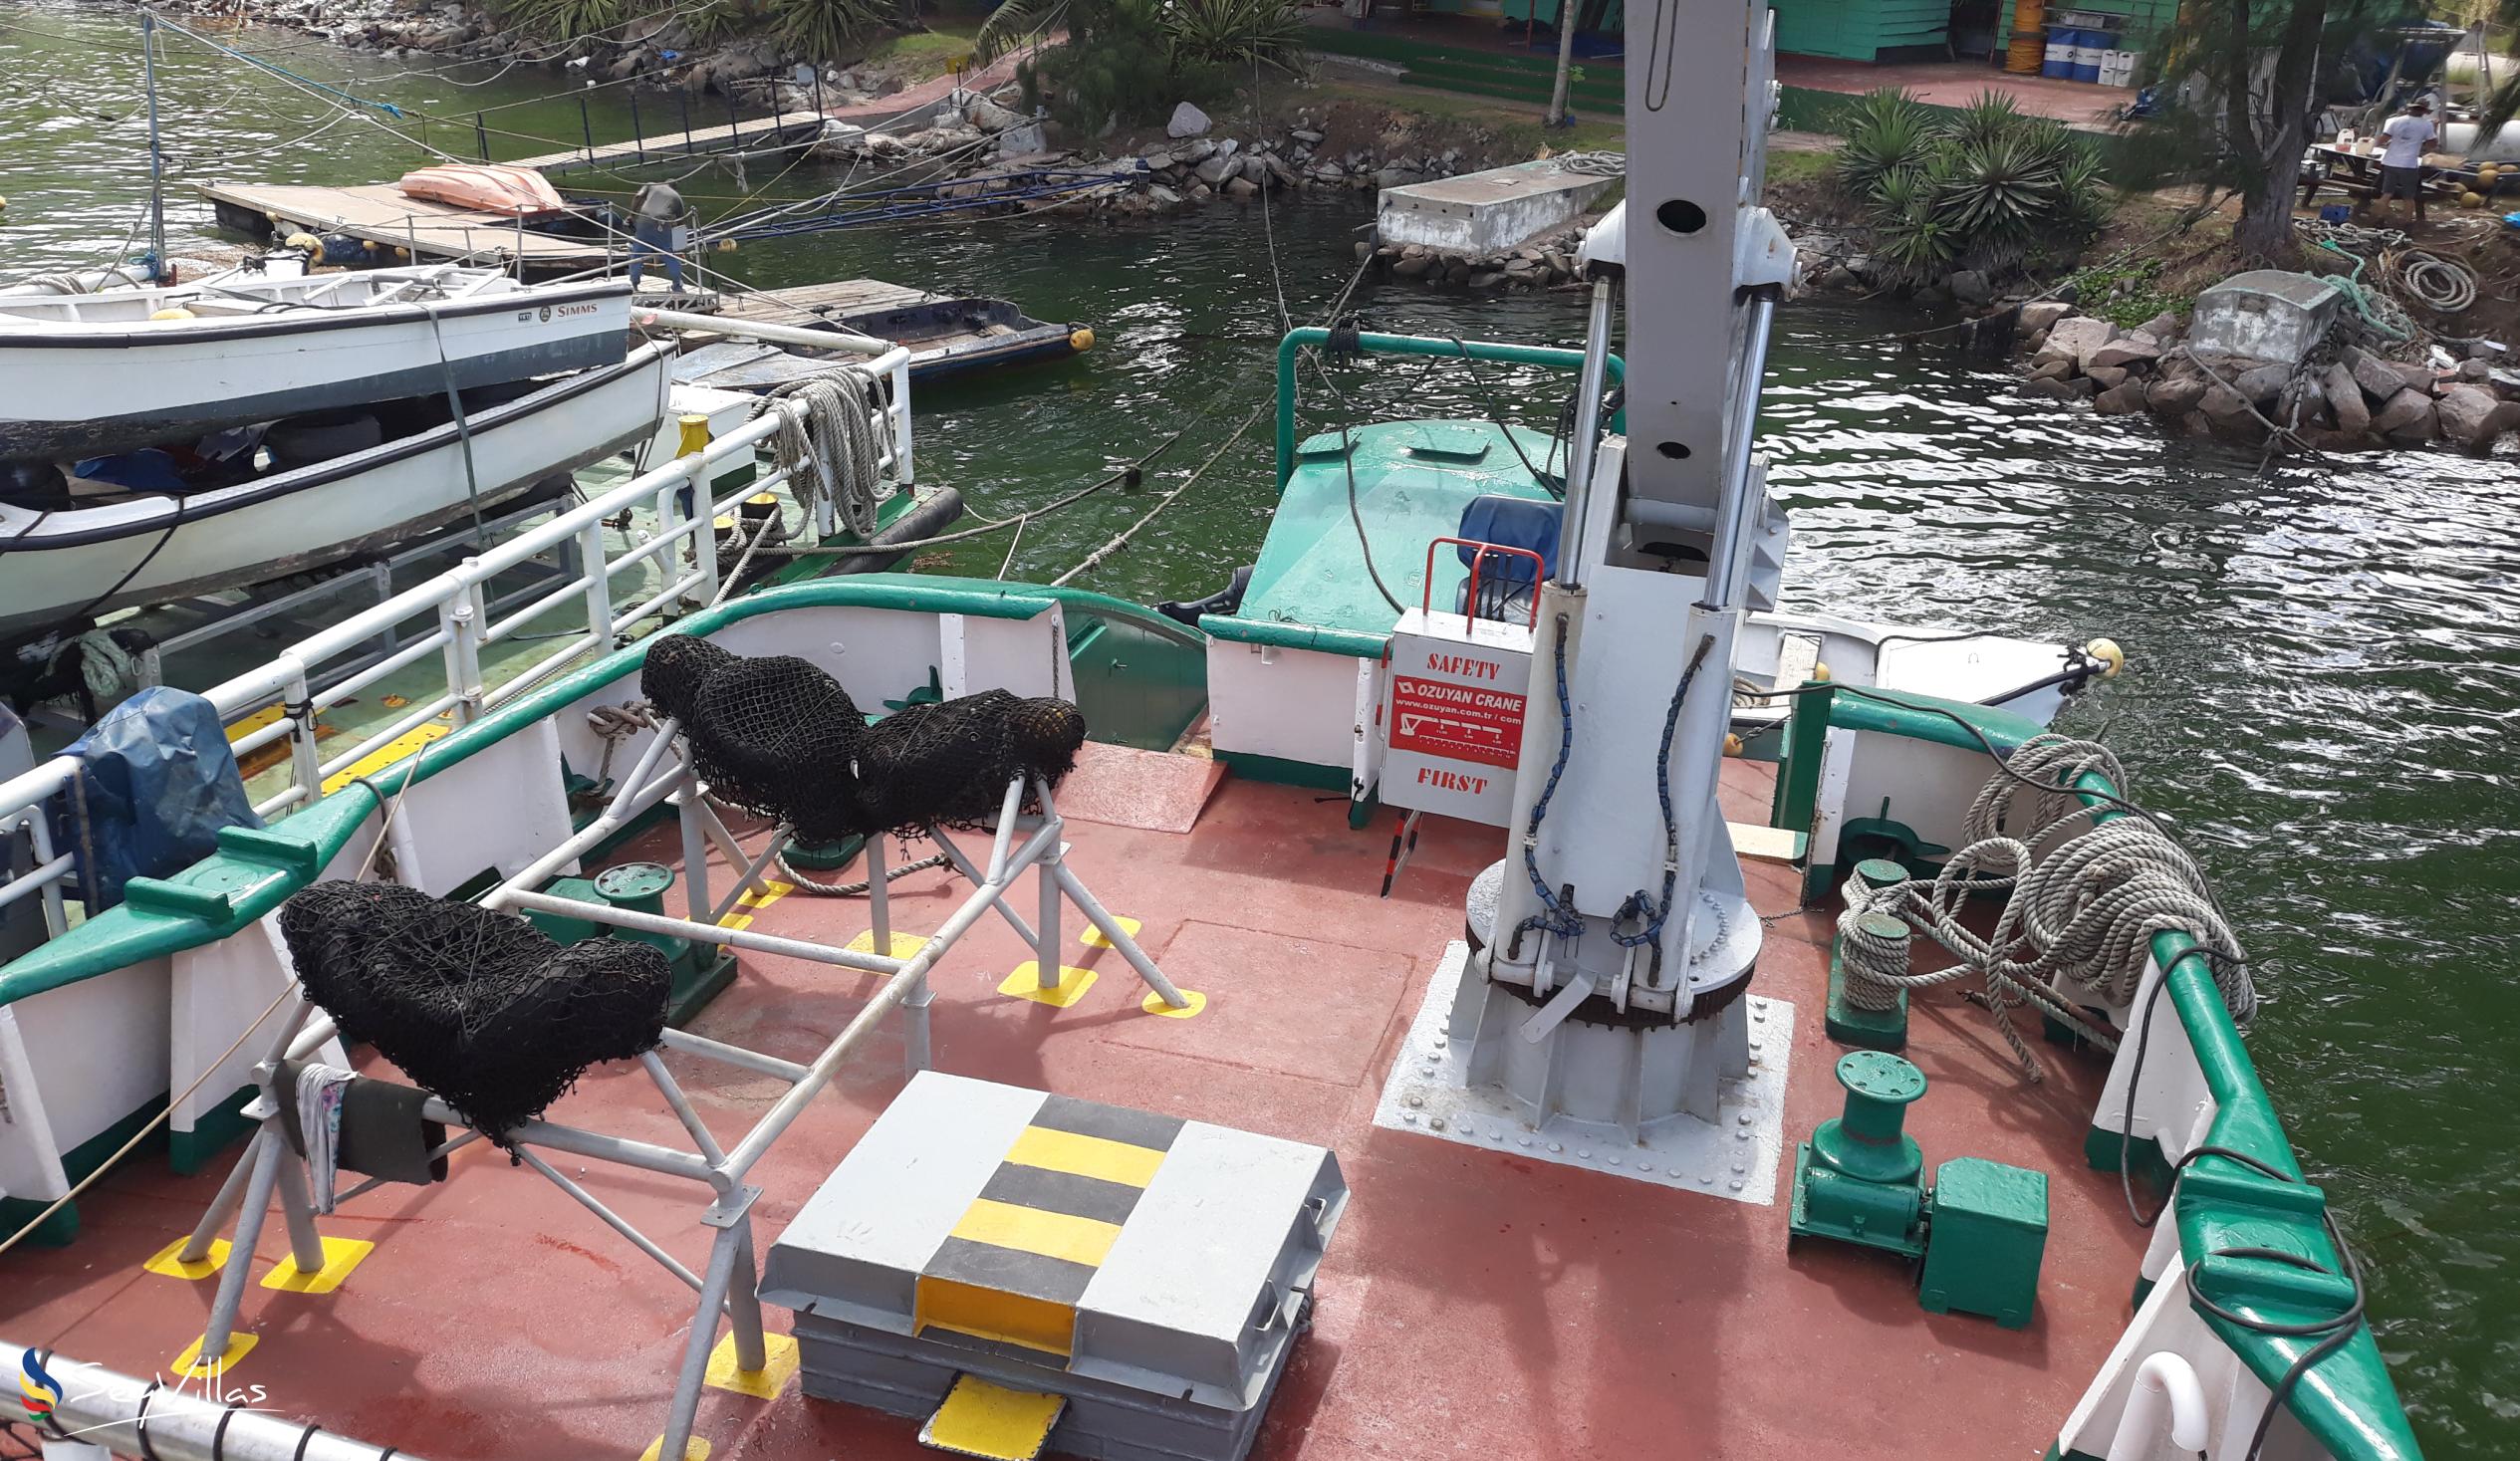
column 1119, row 1257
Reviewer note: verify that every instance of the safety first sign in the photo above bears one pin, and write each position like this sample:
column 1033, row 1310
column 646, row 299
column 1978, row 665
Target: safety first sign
column 1453, row 717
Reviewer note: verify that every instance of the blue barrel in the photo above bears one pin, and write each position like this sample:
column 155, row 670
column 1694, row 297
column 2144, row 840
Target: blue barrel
column 2089, row 47
column 2059, row 61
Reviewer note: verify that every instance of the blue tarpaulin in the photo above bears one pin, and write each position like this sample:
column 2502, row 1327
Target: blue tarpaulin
column 158, row 782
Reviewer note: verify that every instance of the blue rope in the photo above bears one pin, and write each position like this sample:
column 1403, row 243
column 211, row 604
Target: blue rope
column 1558, row 918
column 1638, row 907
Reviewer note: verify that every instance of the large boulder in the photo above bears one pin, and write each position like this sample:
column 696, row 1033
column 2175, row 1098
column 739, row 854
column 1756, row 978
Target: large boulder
column 2229, row 412
column 2262, row 383
column 2079, row 337
column 1216, row 170
column 2040, row 315
column 1970, row 286
column 2474, row 417
column 2127, row 350
column 2345, row 399
column 2120, row 400
column 2069, row 388
column 1188, row 121
column 2175, row 395
column 2381, row 379
column 2408, row 419
column 2107, row 377
column 991, row 117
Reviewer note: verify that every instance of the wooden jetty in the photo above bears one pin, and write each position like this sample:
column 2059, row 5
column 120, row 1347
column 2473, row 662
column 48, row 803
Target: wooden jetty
column 381, row 213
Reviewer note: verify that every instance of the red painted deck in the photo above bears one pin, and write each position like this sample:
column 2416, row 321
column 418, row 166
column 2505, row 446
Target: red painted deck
column 1471, row 1304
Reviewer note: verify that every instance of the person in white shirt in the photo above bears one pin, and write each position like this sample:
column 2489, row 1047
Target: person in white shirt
column 2405, row 138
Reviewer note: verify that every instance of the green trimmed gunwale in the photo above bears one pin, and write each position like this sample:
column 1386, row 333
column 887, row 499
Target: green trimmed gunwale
column 256, row 869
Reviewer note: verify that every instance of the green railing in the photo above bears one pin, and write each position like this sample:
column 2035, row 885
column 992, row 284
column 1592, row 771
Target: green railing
column 1415, row 345
column 2222, row 1207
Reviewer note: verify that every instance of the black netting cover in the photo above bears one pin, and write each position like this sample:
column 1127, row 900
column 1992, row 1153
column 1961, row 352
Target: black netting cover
column 947, row 764
column 779, row 737
column 478, row 1008
column 775, row 736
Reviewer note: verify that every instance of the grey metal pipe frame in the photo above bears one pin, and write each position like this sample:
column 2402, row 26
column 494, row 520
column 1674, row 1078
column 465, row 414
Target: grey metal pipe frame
column 733, row 1055
column 1724, row 565
column 137, row 1417
column 913, row 976
column 611, row 1219
column 742, row 938
column 1572, row 549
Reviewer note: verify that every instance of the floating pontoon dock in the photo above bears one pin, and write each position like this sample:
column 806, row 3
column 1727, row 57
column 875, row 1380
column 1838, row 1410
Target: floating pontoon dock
column 381, row 213
column 760, row 133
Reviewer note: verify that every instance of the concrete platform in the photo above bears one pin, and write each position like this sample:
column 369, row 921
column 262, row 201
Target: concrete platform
column 1482, row 213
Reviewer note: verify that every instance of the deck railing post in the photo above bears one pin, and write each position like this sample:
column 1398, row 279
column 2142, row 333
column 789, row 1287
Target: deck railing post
column 586, row 126
column 599, row 585
column 639, row 139
column 481, row 135
column 460, row 615
column 305, row 767
column 684, row 99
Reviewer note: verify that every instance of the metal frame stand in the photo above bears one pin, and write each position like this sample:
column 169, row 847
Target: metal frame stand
column 728, row 1286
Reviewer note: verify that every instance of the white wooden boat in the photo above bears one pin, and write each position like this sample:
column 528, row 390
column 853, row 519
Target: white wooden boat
column 148, row 546
column 92, row 374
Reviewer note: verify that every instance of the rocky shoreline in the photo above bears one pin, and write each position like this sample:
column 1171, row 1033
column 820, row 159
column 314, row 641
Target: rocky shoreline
column 2341, row 398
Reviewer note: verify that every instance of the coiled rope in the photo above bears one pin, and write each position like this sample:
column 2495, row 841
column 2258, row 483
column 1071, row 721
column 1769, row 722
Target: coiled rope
column 2076, row 927
column 830, row 450
column 2444, row 285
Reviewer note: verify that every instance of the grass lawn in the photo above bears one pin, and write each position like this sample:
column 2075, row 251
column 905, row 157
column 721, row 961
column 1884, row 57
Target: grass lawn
column 920, row 55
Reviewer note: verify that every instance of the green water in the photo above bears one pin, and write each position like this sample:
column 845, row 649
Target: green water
column 2325, row 674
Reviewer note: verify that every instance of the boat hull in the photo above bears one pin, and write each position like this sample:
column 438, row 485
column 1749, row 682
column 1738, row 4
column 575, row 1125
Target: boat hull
column 324, row 513
column 83, row 390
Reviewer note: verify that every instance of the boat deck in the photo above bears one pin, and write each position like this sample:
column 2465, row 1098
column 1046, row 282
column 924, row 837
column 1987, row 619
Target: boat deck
column 1472, row 1302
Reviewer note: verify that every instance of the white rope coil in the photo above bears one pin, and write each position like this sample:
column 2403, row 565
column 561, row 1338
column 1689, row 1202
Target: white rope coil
column 2077, row 925
column 832, row 450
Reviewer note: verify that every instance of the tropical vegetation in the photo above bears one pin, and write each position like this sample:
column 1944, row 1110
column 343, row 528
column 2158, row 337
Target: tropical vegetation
column 1987, row 188
column 1132, row 61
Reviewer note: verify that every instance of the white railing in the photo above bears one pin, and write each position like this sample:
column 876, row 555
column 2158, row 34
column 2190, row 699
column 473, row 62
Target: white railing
column 465, row 626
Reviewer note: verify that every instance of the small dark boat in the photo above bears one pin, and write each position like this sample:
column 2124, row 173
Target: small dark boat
column 945, row 336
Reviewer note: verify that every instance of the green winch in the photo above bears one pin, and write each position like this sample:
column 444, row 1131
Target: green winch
column 701, row 970
column 1980, row 1229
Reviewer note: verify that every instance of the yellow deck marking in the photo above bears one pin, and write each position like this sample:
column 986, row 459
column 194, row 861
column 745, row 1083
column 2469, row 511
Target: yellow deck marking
column 770, row 891
column 341, row 1255
column 1084, row 1156
column 164, row 1260
column 994, row 1313
column 268, row 715
column 694, row 1449
column 1024, row 983
column 1034, row 1230
column 778, row 1366
column 1153, row 1004
column 904, row 945
column 386, row 754
column 190, row 1366
column 1092, row 937
column 982, row 1419
column 735, row 921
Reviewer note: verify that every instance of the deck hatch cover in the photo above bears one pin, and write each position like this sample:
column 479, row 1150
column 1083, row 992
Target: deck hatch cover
column 1068, row 1245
